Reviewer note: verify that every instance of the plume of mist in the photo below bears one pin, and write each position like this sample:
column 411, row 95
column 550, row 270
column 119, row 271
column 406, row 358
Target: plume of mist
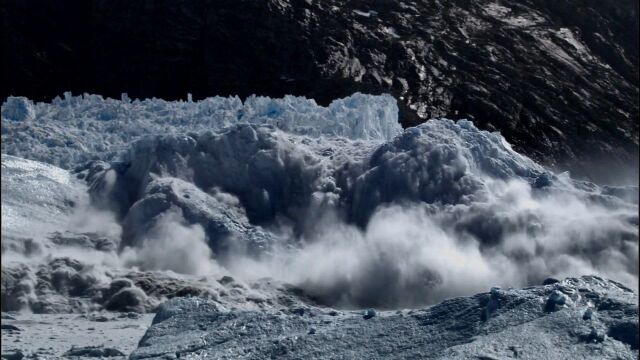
column 441, row 210
column 416, row 254
column 172, row 244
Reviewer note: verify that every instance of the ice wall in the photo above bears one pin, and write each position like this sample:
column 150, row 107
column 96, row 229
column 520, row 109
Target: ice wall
column 74, row 129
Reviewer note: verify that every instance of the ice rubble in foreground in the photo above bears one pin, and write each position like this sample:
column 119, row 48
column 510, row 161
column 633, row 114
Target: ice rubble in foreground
column 339, row 202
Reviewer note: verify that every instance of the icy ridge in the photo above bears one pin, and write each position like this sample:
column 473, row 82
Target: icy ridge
column 74, row 129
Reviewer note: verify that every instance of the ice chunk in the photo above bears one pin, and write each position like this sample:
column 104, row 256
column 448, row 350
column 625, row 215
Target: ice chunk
column 18, row 109
column 220, row 215
column 268, row 171
column 36, row 198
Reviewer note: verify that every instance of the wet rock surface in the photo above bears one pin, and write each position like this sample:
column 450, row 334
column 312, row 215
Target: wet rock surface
column 505, row 323
column 559, row 79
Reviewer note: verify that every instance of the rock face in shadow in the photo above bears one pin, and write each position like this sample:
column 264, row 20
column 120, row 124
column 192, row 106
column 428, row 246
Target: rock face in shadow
column 504, row 323
column 559, row 79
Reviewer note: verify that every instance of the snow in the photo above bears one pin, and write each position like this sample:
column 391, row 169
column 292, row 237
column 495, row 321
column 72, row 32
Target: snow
column 570, row 38
column 365, row 13
column 497, row 10
column 391, row 31
column 70, row 131
column 510, row 17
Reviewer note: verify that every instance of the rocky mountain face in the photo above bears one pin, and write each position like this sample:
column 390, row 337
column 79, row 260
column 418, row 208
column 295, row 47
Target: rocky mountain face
column 559, row 79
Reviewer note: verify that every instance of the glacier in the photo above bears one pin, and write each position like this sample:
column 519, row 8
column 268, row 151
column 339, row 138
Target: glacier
column 121, row 204
column 74, row 129
column 279, row 220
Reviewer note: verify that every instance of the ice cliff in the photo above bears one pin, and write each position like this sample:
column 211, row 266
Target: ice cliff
column 74, row 129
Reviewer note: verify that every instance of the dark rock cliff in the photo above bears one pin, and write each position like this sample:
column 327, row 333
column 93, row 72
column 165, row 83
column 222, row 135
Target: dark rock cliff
column 558, row 78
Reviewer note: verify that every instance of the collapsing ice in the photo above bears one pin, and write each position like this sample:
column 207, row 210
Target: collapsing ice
column 338, row 201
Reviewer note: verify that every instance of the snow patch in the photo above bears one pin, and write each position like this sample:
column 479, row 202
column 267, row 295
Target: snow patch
column 369, row 13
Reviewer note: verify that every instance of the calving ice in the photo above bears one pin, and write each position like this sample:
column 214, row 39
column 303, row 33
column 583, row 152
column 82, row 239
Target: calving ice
column 338, row 201
column 329, row 180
